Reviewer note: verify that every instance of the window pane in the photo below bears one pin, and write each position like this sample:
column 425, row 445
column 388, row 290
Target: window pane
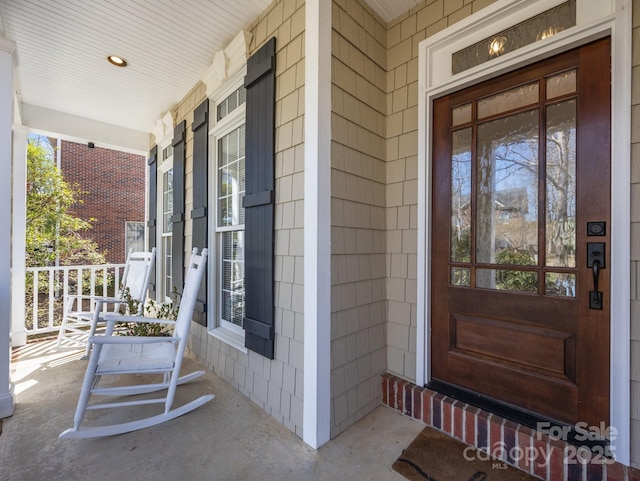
column 507, row 190
column 561, row 184
column 461, row 196
column 167, row 267
column 134, row 236
column 461, row 115
column 167, row 201
column 232, row 261
column 559, row 284
column 507, row 280
column 460, row 276
column 231, row 178
column 543, row 25
column 231, row 103
column 561, row 84
column 509, row 100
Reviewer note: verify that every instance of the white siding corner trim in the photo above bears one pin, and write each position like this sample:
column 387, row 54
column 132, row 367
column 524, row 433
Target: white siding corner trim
column 316, row 424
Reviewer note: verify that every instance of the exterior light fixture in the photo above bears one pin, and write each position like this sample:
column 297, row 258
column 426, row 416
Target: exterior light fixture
column 117, row 61
column 496, row 46
column 548, row 32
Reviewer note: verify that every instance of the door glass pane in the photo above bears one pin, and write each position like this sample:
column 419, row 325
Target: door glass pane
column 461, row 115
column 460, row 276
column 561, row 184
column 561, row 84
column 461, row 196
column 507, row 280
column 511, row 99
column 560, row 284
column 507, row 190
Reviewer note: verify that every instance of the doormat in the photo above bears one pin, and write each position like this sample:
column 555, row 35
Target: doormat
column 434, row 456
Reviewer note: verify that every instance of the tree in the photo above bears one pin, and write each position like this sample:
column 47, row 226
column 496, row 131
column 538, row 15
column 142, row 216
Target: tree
column 52, row 232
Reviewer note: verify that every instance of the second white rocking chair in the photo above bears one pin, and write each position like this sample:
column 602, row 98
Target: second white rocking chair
column 117, row 355
column 78, row 325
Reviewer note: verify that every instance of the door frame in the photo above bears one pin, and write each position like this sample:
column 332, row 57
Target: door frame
column 594, row 19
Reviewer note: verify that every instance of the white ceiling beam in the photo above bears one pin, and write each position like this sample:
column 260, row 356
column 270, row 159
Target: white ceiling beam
column 82, row 130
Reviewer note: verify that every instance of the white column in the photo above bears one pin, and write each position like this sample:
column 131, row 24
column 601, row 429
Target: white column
column 6, row 121
column 18, row 235
column 316, row 425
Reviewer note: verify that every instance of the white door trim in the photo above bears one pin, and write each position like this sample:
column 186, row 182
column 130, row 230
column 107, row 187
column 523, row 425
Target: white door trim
column 595, row 19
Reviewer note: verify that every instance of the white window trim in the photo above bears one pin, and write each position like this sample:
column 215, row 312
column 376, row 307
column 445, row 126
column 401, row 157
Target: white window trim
column 218, row 328
column 595, row 19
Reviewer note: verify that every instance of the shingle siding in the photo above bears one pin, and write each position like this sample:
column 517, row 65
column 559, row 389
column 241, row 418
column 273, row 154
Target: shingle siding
column 358, row 243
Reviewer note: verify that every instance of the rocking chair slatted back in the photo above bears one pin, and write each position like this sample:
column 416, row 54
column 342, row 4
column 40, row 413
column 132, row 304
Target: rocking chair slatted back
column 78, row 324
column 135, row 278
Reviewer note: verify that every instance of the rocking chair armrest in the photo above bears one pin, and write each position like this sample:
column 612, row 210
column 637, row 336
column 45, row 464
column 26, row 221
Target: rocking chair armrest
column 112, row 317
column 92, row 298
column 131, row 339
column 110, row 300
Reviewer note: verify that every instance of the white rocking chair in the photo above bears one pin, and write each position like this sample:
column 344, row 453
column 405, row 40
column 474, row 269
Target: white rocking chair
column 117, row 355
column 135, row 282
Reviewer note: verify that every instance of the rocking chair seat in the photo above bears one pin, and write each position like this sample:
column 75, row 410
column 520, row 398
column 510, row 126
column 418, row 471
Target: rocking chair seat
column 138, row 357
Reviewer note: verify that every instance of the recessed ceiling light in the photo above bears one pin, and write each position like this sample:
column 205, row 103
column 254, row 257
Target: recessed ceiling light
column 117, row 61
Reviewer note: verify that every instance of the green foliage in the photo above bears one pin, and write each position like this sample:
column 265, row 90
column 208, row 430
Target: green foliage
column 164, row 310
column 52, row 232
column 515, row 258
column 461, row 246
column 521, row 281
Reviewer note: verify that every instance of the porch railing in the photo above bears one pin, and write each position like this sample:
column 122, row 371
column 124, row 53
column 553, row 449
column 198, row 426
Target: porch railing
column 48, row 287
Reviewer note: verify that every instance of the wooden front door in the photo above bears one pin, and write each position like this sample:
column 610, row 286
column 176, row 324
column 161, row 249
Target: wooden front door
column 520, row 236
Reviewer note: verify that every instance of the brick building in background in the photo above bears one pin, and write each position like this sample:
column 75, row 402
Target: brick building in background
column 113, row 183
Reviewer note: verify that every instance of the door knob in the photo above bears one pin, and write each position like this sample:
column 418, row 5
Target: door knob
column 595, row 260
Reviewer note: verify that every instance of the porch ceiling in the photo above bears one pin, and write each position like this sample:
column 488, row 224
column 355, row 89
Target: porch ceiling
column 62, row 73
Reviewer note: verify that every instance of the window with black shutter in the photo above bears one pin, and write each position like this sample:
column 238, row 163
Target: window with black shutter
column 259, row 200
column 177, row 219
column 152, row 216
column 200, row 128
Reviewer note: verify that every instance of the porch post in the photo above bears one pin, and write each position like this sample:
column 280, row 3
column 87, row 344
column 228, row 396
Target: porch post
column 316, row 423
column 7, row 48
column 19, row 228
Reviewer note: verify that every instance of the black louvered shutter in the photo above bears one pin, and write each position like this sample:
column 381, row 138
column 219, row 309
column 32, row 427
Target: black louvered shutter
column 153, row 212
column 200, row 130
column 259, row 200
column 177, row 240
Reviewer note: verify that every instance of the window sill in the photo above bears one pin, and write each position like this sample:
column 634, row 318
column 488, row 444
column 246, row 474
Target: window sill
column 230, row 338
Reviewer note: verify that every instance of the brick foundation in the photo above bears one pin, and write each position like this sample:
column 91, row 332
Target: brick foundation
column 543, row 456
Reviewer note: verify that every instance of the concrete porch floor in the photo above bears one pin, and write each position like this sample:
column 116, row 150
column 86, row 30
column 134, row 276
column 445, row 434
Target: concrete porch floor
column 229, row 438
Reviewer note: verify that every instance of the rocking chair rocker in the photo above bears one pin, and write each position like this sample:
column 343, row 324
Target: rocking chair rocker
column 135, row 282
column 118, row 355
